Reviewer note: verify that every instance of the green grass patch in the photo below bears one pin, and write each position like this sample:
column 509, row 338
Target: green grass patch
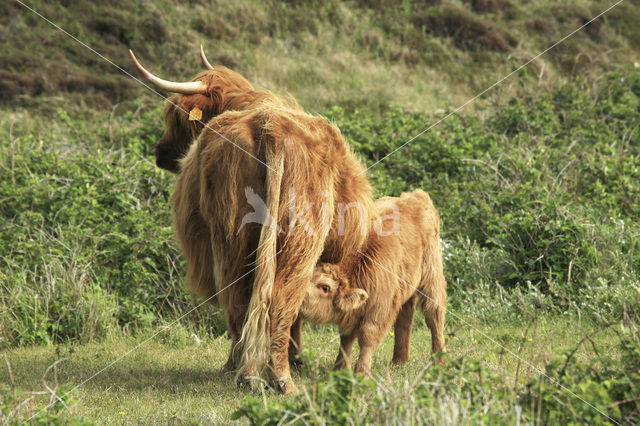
column 174, row 377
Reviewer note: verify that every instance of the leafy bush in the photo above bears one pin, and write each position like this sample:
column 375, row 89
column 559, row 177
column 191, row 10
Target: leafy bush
column 462, row 391
column 86, row 243
column 547, row 187
column 329, row 402
column 540, row 199
column 345, row 398
column 15, row 408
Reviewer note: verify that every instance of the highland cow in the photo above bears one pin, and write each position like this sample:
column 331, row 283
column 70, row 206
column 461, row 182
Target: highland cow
column 252, row 141
column 306, row 174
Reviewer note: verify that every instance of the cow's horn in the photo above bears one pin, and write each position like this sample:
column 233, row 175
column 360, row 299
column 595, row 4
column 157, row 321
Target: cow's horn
column 186, row 88
column 204, row 59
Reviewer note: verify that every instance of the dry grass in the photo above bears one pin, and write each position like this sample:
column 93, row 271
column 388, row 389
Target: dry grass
column 422, row 56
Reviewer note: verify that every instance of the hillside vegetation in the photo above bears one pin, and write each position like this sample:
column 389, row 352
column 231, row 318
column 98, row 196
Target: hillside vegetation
column 537, row 184
column 421, row 55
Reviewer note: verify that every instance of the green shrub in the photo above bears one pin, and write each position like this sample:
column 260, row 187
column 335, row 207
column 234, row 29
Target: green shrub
column 548, row 187
column 328, row 402
column 571, row 390
column 464, row 386
column 15, row 408
column 86, row 242
column 538, row 200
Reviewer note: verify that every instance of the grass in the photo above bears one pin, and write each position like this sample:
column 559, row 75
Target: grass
column 172, row 379
column 537, row 184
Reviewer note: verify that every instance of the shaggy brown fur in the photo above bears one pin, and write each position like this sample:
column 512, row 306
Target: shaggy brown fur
column 309, row 162
column 365, row 294
column 227, row 91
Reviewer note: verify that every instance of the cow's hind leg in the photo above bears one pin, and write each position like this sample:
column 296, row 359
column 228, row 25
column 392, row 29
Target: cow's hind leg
column 295, row 344
column 279, row 370
column 402, row 331
column 235, row 330
column 237, row 301
column 287, row 298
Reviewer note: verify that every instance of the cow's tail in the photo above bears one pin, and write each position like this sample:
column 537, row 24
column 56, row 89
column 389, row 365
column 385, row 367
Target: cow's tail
column 255, row 339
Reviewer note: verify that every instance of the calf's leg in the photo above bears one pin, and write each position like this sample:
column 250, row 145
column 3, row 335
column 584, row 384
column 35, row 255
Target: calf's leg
column 344, row 353
column 434, row 310
column 402, row 331
column 435, row 322
column 369, row 338
column 434, row 294
column 434, row 307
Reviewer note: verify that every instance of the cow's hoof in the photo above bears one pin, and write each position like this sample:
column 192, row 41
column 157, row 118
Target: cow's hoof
column 400, row 360
column 242, row 381
column 250, row 382
column 285, row 386
column 342, row 365
column 227, row 370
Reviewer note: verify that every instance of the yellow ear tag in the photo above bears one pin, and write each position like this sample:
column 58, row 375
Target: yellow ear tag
column 195, row 114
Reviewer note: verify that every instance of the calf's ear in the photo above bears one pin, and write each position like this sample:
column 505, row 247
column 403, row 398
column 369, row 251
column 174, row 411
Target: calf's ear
column 342, row 279
column 351, row 298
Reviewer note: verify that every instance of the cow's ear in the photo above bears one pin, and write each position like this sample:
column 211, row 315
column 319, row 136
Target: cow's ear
column 210, row 104
column 351, row 298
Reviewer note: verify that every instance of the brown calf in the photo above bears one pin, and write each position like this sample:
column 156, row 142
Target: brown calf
column 400, row 262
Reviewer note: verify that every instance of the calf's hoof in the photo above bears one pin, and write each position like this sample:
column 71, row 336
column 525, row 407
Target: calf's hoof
column 400, row 359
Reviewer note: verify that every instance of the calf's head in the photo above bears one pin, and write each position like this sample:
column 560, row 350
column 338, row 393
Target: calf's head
column 196, row 102
column 329, row 297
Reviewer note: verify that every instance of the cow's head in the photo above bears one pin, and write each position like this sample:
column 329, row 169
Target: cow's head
column 329, row 297
column 185, row 115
